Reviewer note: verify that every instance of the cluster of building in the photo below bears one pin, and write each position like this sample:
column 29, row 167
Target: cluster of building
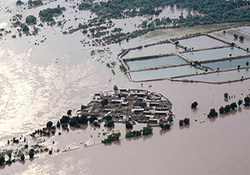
column 133, row 105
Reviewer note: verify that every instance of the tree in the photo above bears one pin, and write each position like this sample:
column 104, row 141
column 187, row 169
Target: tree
column 129, row 125
column 92, row 118
column 69, row 112
column 58, row 124
column 235, row 36
column 240, row 103
column 31, row 153
column 222, row 110
column 112, row 137
column 147, row 130
column 181, row 122
column 104, row 102
column 26, row 28
column 241, row 38
column 109, row 124
column 115, row 88
column 227, row 108
column 194, row 104
column 2, row 159
column 108, row 117
column 64, row 119
column 233, row 105
column 74, row 121
column 9, row 154
column 187, row 121
column 19, row 2
column 83, row 119
column 49, row 124
column 164, row 126
column 247, row 101
column 212, row 113
column 22, row 157
column 226, row 95
column 30, row 19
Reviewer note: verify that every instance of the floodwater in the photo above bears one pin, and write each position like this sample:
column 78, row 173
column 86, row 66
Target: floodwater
column 228, row 64
column 193, row 147
column 164, row 73
column 221, row 76
column 214, row 54
column 41, row 82
column 158, row 49
column 156, row 62
column 201, row 42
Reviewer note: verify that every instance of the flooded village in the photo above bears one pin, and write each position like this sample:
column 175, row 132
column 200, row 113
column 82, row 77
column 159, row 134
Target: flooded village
column 133, row 105
column 64, row 61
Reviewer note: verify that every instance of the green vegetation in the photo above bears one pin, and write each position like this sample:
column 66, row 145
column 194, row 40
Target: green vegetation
column 130, row 134
column 19, row 2
column 30, row 19
column 85, row 6
column 165, row 126
column 194, row 105
column 25, row 28
column 147, row 130
column 48, row 14
column 123, row 68
column 35, row 3
column 112, row 137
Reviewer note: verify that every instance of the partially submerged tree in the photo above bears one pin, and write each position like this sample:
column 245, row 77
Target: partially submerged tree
column 194, row 105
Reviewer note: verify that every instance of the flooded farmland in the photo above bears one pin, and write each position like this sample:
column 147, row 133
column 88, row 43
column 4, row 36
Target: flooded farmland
column 164, row 73
column 156, row 62
column 214, row 54
column 201, row 42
